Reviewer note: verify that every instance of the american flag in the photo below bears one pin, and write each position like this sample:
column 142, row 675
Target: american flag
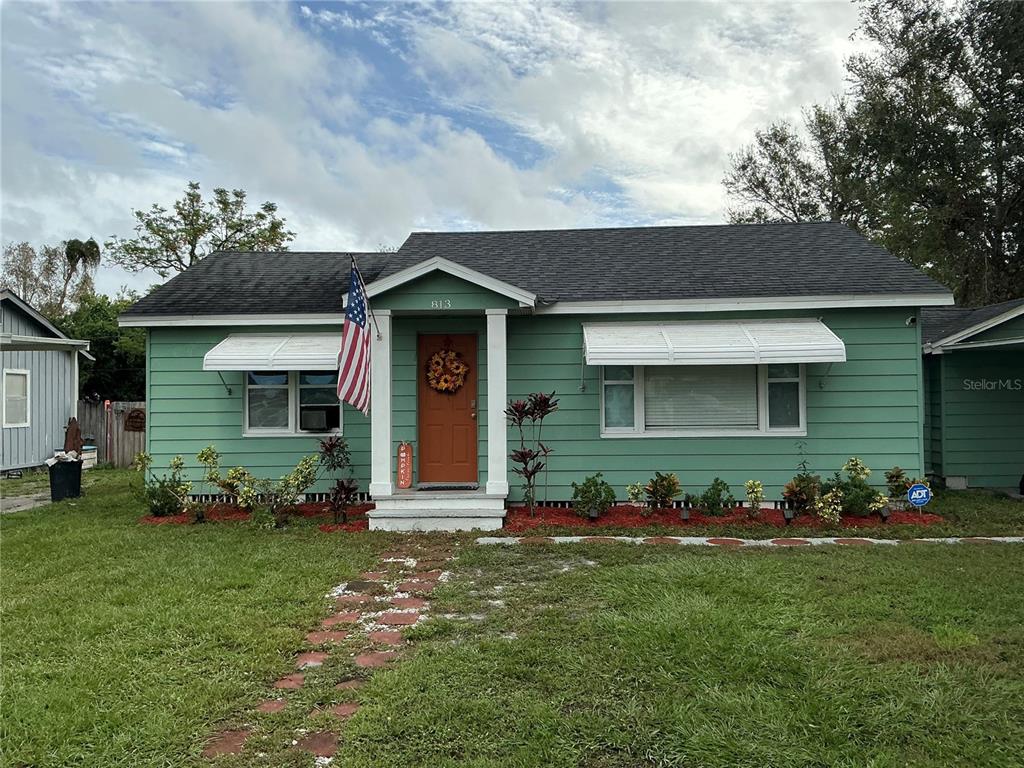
column 354, row 358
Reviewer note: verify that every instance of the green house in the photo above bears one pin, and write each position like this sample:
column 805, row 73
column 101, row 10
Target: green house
column 974, row 395
column 709, row 351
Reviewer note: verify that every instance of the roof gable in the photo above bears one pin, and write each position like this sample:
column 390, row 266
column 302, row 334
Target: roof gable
column 419, row 271
column 946, row 326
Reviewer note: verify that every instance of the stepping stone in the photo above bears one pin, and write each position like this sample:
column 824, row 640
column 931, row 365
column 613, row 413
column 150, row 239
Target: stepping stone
column 346, row 601
column 320, row 743
column 428, row 575
column 373, row 576
column 344, row 710
column 226, row 743
column 725, row 542
column 291, row 682
column 345, row 617
column 660, row 540
column 789, row 542
column 364, row 587
column 310, row 659
column 854, row 542
column 396, row 619
column 326, row 636
column 423, row 587
column 375, row 659
column 386, row 636
column 409, row 602
column 350, row 685
column 270, row 706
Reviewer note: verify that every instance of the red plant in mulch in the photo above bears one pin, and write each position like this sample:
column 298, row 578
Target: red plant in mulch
column 622, row 516
column 217, row 513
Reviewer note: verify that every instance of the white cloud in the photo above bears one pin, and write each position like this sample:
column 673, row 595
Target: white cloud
column 508, row 115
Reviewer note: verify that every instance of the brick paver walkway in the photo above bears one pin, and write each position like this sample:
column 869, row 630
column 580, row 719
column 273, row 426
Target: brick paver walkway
column 367, row 625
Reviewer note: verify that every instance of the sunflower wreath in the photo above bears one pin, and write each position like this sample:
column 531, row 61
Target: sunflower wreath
column 446, row 371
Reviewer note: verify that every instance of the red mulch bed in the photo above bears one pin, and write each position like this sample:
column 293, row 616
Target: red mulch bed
column 217, row 513
column 623, row 516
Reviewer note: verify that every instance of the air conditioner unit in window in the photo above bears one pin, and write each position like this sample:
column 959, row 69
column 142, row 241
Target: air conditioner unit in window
column 313, row 419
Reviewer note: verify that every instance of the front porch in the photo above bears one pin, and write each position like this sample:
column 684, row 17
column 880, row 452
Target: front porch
column 458, row 437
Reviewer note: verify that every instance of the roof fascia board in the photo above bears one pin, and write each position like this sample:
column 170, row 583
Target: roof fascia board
column 977, row 328
column 171, row 321
column 437, row 263
column 746, row 303
column 15, row 342
column 931, row 349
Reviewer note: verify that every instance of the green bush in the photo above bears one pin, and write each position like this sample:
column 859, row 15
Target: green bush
column 661, row 490
column 593, row 497
column 717, row 499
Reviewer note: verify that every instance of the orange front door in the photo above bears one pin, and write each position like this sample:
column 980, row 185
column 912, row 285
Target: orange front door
column 447, row 420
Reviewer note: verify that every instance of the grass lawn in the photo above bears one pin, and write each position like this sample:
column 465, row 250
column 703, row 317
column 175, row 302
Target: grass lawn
column 122, row 644
column 128, row 645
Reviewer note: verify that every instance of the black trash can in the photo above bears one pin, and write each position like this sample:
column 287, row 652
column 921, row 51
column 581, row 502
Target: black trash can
column 66, row 480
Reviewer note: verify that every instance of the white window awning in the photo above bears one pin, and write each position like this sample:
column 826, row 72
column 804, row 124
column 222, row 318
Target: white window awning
column 720, row 342
column 275, row 352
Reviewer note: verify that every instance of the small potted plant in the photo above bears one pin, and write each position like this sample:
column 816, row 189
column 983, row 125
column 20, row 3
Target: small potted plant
column 593, row 497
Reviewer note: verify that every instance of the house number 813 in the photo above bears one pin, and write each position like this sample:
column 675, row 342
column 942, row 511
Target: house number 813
column 441, row 304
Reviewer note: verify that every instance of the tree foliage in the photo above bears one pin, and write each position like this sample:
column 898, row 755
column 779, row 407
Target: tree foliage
column 51, row 278
column 172, row 241
column 119, row 371
column 925, row 155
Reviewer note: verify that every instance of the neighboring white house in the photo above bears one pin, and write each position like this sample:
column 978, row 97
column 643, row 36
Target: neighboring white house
column 38, row 384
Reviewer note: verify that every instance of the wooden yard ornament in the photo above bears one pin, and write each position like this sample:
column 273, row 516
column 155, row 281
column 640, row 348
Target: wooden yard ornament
column 405, row 465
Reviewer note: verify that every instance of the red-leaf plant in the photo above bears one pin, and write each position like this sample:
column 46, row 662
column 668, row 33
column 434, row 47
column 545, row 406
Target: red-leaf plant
column 530, row 461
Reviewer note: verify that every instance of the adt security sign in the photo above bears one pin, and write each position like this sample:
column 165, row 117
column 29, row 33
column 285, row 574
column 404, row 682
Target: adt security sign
column 919, row 494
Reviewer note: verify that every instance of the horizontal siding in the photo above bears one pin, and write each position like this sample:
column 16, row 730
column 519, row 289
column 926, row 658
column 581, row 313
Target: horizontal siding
column 983, row 427
column 190, row 408
column 1011, row 329
column 867, row 407
column 441, row 293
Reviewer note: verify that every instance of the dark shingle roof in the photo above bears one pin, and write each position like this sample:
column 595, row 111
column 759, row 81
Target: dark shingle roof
column 631, row 263
column 692, row 262
column 251, row 283
column 940, row 322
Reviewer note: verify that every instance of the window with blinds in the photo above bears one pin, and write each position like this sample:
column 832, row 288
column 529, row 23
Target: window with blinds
column 700, row 396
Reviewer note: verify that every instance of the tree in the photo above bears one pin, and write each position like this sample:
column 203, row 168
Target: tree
column 172, row 241
column 119, row 371
column 924, row 156
column 52, row 278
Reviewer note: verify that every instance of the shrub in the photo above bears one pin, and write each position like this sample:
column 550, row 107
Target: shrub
column 717, row 499
column 858, row 498
column 803, row 490
column 896, row 482
column 529, row 460
column 829, row 506
column 661, row 490
column 166, row 495
column 593, row 497
column 343, row 495
column 755, row 495
column 635, row 492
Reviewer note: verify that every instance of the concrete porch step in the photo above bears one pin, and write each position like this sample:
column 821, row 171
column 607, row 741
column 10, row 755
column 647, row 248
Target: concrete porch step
column 441, row 500
column 419, row 519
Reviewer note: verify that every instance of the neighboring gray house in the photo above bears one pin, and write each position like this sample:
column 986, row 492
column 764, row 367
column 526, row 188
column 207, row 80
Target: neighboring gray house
column 38, row 384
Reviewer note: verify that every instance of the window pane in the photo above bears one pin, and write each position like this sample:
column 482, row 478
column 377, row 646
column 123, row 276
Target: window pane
column 319, row 418
column 268, row 408
column 16, row 385
column 17, row 410
column 264, row 378
column 787, row 371
column 618, row 405
column 318, row 396
column 700, row 396
column 322, row 378
column 783, row 404
column 618, row 373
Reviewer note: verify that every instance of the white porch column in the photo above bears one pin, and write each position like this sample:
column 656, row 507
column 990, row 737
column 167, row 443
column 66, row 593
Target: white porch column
column 497, row 395
column 381, row 483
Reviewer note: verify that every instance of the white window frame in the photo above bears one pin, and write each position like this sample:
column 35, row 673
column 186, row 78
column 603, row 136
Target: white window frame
column 28, row 397
column 639, row 428
column 293, row 411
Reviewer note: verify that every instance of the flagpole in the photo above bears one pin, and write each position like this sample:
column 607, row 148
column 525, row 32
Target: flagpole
column 362, row 284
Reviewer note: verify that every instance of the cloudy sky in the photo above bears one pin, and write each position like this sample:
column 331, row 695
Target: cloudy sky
column 366, row 121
